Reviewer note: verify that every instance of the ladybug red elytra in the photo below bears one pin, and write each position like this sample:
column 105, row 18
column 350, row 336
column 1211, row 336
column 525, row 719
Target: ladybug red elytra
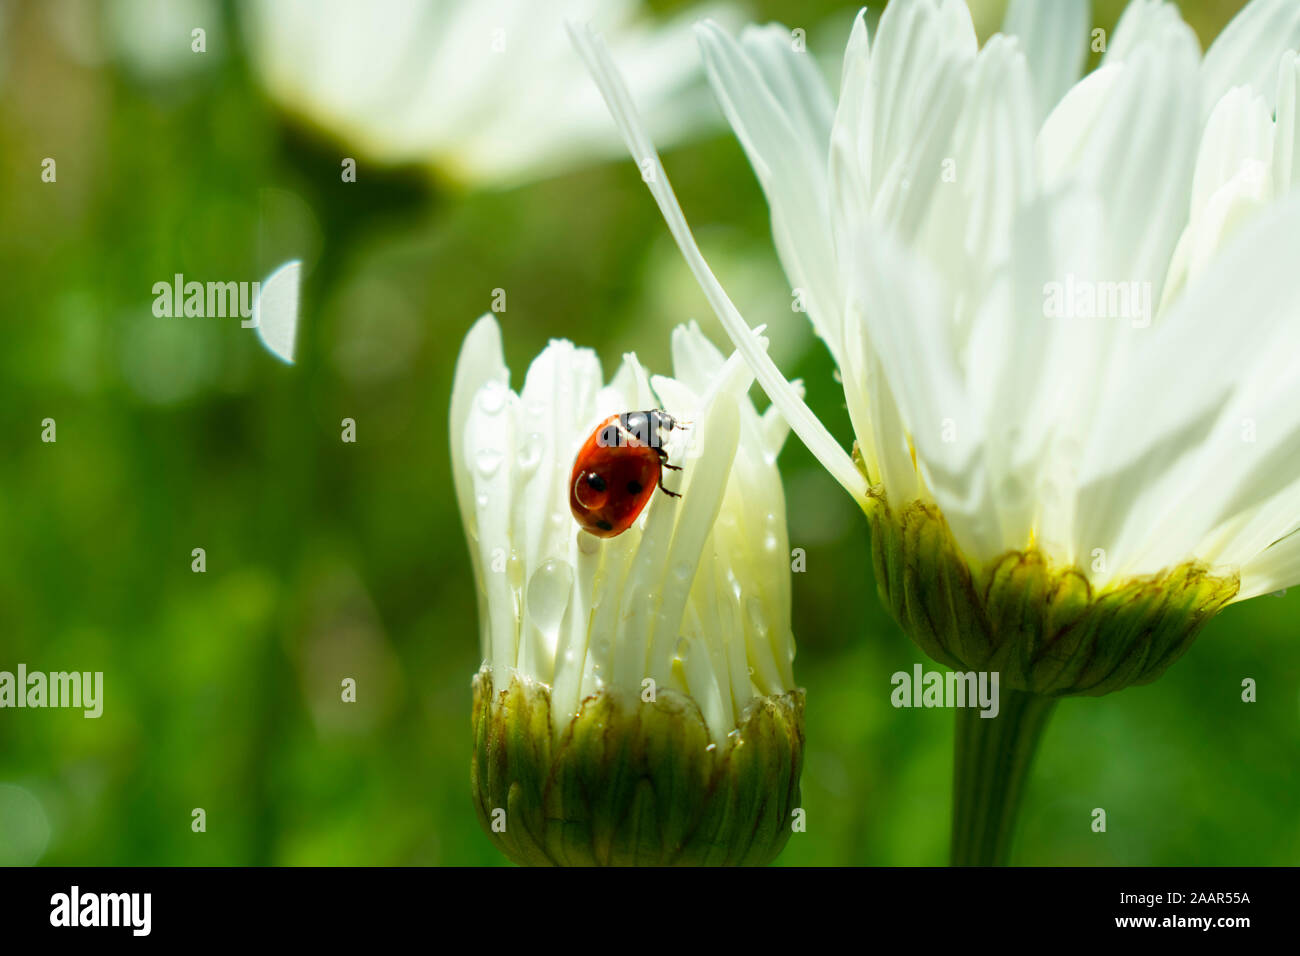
column 617, row 469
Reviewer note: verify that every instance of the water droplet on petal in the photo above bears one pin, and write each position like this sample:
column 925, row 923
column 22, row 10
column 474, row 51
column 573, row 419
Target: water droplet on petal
column 492, row 397
column 488, row 461
column 530, row 454
column 548, row 595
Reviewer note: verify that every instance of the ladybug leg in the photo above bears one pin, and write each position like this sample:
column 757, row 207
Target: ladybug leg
column 670, row 494
column 663, row 463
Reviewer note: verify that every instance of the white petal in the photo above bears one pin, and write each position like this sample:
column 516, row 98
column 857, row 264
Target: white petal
column 1029, row 368
column 1274, row 570
column 1240, row 130
column 696, row 360
column 851, row 137
column 1054, row 37
column 1143, row 21
column 1167, row 464
column 780, row 109
column 1233, row 180
column 990, row 173
column 1250, row 49
column 489, row 451
column 900, row 302
column 917, row 81
column 1136, row 153
column 805, row 424
column 706, row 484
column 1286, row 142
column 481, row 360
column 556, row 412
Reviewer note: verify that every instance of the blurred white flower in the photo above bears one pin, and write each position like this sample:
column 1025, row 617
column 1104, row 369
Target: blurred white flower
column 1065, row 310
column 156, row 38
column 486, row 91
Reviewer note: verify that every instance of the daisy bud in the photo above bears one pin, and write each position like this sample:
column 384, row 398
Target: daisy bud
column 636, row 702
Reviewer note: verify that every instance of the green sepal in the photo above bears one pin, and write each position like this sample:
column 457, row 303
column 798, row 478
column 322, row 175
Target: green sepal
column 629, row 782
column 1044, row 629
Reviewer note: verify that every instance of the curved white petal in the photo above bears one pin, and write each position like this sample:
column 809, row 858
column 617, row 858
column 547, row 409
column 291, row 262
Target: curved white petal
column 804, row 423
column 917, row 84
column 1250, row 48
column 1233, row 180
column 1286, row 141
column 780, row 110
column 1274, row 569
column 480, row 361
column 1143, row 21
column 1172, row 456
column 1054, row 37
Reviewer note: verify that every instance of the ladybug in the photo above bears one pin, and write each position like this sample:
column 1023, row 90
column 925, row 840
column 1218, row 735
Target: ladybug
column 617, row 468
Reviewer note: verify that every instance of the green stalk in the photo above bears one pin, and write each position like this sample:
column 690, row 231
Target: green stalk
column 991, row 761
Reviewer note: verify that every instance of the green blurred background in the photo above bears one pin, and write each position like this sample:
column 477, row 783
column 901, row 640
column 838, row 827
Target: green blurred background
column 327, row 559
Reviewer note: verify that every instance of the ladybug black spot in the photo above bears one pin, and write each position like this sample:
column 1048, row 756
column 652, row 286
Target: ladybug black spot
column 634, row 487
column 604, row 525
column 596, row 482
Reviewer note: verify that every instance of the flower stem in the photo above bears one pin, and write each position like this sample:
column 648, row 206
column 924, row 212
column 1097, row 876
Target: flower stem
column 991, row 760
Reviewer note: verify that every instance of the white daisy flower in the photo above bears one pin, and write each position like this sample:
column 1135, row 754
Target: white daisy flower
column 662, row 654
column 1065, row 319
column 485, row 91
column 1063, row 309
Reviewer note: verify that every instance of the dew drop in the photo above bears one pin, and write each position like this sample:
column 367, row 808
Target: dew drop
column 488, row 461
column 515, row 570
column 588, row 543
column 548, row 595
column 492, row 397
column 530, row 454
column 756, row 617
